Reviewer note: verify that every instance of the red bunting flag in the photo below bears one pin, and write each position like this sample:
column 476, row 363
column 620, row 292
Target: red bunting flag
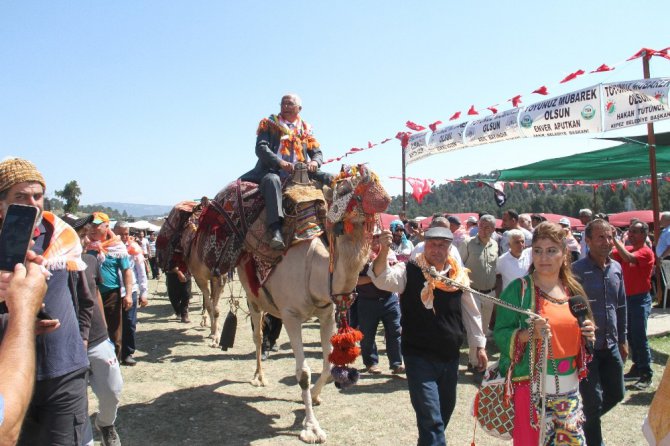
column 385, row 141
column 602, row 68
column 572, row 76
column 648, row 52
column 414, row 126
column 541, row 186
column 665, row 52
column 624, row 185
column 638, row 182
column 455, row 116
column 404, row 138
column 464, row 181
column 542, row 90
column 516, row 100
column 596, row 186
column 370, row 145
column 525, row 185
column 493, row 109
column 511, row 184
column 355, row 149
column 554, row 186
column 472, row 111
column 648, row 181
column 434, row 125
column 613, row 187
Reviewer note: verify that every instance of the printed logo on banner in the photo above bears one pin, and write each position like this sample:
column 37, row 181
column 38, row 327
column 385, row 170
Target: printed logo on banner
column 636, row 102
column 446, row 139
column 416, row 147
column 570, row 114
column 498, row 127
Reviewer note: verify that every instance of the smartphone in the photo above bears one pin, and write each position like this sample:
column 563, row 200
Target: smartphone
column 15, row 235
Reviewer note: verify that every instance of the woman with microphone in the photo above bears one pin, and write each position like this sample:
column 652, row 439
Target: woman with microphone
column 546, row 291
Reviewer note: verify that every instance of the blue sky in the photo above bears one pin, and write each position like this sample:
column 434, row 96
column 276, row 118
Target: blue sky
column 158, row 101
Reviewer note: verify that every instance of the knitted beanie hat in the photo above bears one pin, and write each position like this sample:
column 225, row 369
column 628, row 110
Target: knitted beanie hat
column 17, row 170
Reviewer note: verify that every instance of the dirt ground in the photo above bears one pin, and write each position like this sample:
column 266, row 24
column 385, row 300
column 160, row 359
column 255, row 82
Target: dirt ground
column 184, row 392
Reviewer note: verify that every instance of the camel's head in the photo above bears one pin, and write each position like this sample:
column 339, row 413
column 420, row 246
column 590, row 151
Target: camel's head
column 357, row 197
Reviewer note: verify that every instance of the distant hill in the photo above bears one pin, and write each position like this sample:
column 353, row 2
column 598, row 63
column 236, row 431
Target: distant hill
column 138, row 210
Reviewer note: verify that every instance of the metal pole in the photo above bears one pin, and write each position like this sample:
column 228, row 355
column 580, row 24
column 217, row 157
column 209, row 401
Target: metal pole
column 404, row 199
column 651, row 141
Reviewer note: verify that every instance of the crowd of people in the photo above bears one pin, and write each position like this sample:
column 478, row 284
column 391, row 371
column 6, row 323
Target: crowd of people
column 98, row 276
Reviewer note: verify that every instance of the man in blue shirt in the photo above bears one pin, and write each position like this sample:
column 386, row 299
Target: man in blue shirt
column 59, row 405
column 602, row 279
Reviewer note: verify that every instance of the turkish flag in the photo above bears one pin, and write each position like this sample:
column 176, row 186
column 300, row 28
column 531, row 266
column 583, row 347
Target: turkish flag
column 414, row 126
column 472, row 110
column 516, row 100
column 434, row 125
column 648, row 52
column 572, row 76
column 493, row 109
column 542, row 90
column 602, row 68
column 455, row 116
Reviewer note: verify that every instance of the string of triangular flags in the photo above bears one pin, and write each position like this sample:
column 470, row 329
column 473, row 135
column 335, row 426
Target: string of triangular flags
column 516, row 100
column 423, row 186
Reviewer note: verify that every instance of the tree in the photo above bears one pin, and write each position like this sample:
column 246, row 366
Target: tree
column 70, row 193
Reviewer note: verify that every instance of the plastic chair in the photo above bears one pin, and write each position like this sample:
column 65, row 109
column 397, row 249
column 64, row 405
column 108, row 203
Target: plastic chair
column 665, row 276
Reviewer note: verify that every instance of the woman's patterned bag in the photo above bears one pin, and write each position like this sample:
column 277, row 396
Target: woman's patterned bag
column 494, row 405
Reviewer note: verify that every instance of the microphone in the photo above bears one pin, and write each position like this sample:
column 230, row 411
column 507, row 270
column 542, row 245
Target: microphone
column 580, row 310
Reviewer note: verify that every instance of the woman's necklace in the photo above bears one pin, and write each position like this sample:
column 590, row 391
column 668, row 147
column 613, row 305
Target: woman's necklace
column 546, row 296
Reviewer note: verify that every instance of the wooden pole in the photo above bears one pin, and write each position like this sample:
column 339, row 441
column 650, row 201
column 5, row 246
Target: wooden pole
column 655, row 205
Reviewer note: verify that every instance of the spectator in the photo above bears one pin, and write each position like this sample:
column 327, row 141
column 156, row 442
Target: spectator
column 603, row 282
column 570, row 241
column 585, row 216
column 412, row 231
column 401, row 246
column 510, row 220
column 22, row 291
column 514, row 263
column 545, row 291
column 433, row 315
column 105, row 374
column 59, row 403
column 374, row 306
column 637, row 262
column 114, row 259
column 139, row 289
column 536, row 219
column 525, row 222
column 456, row 230
column 153, row 261
column 480, row 255
column 471, row 225
column 178, row 281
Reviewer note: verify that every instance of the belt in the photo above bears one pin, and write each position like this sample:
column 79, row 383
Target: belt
column 484, row 291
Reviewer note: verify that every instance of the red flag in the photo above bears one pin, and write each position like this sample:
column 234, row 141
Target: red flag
column 572, row 76
column 624, row 185
column 541, row 186
column 542, row 90
column 370, row 145
column 638, row 182
column 554, row 186
column 493, row 109
column 525, row 185
column 455, row 116
column 516, row 100
column 613, row 187
column 596, row 186
column 648, row 52
column 472, row 110
column 385, row 141
column 420, row 188
column 414, row 126
column 648, row 181
column 602, row 68
column 663, row 53
column 465, row 181
column 355, row 149
column 434, row 125
column 404, row 138
column 511, row 184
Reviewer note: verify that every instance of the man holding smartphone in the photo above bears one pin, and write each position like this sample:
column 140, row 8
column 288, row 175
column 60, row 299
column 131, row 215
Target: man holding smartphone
column 59, row 405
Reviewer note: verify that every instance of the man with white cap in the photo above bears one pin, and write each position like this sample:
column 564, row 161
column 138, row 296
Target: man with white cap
column 433, row 314
column 570, row 241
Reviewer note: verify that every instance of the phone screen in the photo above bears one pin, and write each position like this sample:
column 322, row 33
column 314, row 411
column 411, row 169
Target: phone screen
column 17, row 230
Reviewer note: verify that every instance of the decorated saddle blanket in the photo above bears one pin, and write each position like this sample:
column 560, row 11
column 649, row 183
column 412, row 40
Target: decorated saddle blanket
column 224, row 222
column 170, row 235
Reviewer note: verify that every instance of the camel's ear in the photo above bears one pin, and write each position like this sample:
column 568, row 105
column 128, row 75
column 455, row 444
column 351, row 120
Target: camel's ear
column 327, row 193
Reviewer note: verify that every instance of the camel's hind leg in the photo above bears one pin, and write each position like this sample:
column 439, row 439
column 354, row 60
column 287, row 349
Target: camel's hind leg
column 311, row 432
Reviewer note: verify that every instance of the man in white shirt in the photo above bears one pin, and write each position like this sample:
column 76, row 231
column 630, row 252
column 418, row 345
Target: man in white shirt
column 514, row 263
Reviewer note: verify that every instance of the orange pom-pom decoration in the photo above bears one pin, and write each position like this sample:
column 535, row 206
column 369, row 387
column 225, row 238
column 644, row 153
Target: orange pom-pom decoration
column 345, row 350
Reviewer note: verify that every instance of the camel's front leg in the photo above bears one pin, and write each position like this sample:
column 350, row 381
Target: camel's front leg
column 312, row 432
column 327, row 329
column 216, row 284
column 257, row 321
column 203, row 284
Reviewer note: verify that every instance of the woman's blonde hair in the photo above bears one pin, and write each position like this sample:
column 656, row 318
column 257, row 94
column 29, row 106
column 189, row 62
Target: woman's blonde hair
column 553, row 232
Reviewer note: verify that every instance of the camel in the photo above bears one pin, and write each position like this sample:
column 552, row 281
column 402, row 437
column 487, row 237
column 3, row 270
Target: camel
column 301, row 286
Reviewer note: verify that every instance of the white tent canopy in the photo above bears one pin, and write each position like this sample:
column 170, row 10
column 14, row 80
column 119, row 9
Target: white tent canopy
column 144, row 225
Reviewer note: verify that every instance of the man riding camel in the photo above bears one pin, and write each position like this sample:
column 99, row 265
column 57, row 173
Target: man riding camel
column 282, row 141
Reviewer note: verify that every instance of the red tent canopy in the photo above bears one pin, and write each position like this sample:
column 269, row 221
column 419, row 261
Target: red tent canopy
column 387, row 219
column 624, row 218
column 575, row 223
